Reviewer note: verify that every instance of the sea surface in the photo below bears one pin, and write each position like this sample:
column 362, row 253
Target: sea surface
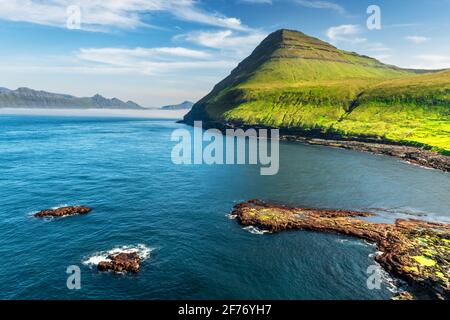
column 177, row 216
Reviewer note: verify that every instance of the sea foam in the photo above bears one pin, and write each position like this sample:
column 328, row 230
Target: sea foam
column 255, row 230
column 142, row 250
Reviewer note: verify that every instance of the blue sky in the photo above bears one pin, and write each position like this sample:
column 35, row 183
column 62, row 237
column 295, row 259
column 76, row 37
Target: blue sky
column 157, row 52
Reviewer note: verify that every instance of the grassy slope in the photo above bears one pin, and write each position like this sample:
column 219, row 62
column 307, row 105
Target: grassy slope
column 414, row 110
column 296, row 81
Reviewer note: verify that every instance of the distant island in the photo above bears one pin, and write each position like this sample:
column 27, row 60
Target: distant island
column 186, row 105
column 310, row 89
column 29, row 98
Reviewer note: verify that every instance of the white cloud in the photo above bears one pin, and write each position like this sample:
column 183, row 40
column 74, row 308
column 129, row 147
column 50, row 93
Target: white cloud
column 189, row 12
column 156, row 53
column 257, row 1
column 346, row 32
column 321, row 5
column 432, row 61
column 98, row 15
column 382, row 57
column 417, row 39
column 143, row 60
column 226, row 39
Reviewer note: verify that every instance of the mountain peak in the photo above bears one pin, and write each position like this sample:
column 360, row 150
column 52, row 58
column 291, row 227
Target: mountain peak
column 282, row 34
column 289, row 59
column 285, row 43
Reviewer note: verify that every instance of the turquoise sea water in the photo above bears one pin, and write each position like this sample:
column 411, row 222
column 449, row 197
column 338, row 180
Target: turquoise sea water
column 177, row 215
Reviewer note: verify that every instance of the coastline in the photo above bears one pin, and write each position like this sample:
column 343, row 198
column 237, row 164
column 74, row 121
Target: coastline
column 414, row 251
column 412, row 155
column 408, row 153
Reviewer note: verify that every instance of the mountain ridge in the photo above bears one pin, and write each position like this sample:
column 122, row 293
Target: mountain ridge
column 24, row 97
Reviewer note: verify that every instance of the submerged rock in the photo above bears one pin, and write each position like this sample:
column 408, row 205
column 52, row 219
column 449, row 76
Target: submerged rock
column 63, row 212
column 121, row 262
column 417, row 252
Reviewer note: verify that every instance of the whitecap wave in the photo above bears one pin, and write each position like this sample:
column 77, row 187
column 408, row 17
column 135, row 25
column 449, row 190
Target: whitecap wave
column 417, row 165
column 142, row 250
column 355, row 242
column 393, row 285
column 255, row 230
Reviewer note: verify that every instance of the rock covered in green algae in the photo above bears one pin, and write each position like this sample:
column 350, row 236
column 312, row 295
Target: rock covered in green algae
column 404, row 296
column 417, row 252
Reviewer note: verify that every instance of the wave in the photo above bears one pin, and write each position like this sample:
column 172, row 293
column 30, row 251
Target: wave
column 255, row 230
column 417, row 165
column 231, row 216
column 355, row 242
column 393, row 285
column 142, row 250
column 32, row 213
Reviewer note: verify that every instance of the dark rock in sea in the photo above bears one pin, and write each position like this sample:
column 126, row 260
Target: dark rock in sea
column 417, row 252
column 122, row 262
column 63, row 212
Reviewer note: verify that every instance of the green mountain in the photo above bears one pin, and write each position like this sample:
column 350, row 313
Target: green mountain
column 29, row 98
column 296, row 82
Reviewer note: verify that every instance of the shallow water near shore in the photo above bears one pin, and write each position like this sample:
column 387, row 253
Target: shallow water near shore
column 177, row 215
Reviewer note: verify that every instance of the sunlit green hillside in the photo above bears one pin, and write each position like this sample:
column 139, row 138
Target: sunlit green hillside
column 295, row 81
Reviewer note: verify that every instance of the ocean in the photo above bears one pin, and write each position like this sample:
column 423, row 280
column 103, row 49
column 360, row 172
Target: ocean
column 177, row 216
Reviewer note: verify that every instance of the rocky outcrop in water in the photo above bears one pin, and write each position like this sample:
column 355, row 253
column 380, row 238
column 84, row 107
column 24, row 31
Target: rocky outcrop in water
column 63, row 212
column 122, row 262
column 417, row 252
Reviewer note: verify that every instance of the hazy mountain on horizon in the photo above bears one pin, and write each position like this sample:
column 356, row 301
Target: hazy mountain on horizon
column 182, row 106
column 29, row 98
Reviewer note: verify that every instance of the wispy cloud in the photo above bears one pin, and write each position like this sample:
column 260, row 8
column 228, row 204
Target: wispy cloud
column 257, row 1
column 316, row 4
column 98, row 15
column 239, row 42
column 382, row 57
column 417, row 39
column 432, row 61
column 346, row 32
column 375, row 47
column 145, row 60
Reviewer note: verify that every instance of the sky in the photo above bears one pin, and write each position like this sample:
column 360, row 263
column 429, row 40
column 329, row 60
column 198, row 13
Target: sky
column 158, row 52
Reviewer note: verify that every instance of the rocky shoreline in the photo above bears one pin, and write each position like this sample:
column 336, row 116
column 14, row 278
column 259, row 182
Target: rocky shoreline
column 417, row 252
column 409, row 154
